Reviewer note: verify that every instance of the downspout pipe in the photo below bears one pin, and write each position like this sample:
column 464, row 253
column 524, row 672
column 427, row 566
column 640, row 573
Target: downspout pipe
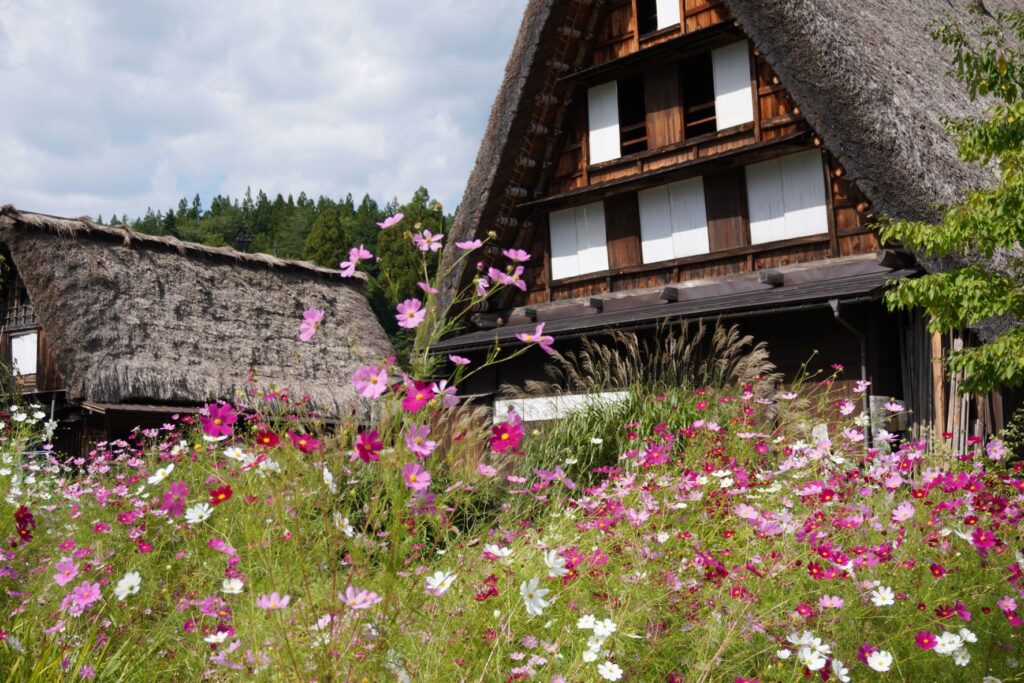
column 834, row 305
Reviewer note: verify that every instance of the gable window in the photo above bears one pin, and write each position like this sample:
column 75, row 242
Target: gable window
column 618, row 119
column 673, row 221
column 697, row 81
column 717, row 90
column 654, row 15
column 787, row 198
column 579, row 243
column 24, row 353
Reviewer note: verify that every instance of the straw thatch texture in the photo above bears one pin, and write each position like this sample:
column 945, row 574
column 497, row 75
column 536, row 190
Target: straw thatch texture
column 132, row 317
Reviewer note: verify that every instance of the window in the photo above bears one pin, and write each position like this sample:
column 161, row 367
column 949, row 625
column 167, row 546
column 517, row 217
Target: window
column 579, row 244
column 673, row 221
column 654, row 15
column 603, row 106
column 24, row 353
column 697, row 81
column 734, row 100
column 787, row 198
column 632, row 116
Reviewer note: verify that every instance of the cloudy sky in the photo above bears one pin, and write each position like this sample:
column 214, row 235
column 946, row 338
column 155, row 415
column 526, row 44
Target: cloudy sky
column 120, row 105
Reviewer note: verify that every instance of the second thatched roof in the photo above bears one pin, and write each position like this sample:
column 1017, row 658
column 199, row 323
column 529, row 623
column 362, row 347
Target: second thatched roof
column 137, row 318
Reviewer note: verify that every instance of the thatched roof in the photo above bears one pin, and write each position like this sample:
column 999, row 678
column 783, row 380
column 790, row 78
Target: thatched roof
column 134, row 317
column 865, row 73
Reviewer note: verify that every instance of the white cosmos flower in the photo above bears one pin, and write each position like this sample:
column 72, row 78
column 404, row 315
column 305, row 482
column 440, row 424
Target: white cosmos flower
column 811, row 659
column 597, row 441
column 880, row 661
column 783, row 654
column 556, row 564
column 968, row 636
column 840, row 670
column 610, row 671
column 962, row 657
column 440, row 582
column 605, row 628
column 235, row 453
column 589, row 656
column 586, row 622
column 805, row 638
column 199, row 512
column 342, row 524
column 329, row 480
column 948, row 643
column 231, row 586
column 533, row 596
column 497, row 550
column 883, row 596
column 216, row 638
column 161, row 474
column 128, row 585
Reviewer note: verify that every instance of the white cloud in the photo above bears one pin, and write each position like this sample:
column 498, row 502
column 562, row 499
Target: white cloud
column 117, row 105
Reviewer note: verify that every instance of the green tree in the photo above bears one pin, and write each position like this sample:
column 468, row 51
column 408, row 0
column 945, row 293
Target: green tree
column 984, row 230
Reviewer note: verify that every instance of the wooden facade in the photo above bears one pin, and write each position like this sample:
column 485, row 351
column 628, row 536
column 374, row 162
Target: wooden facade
column 670, row 144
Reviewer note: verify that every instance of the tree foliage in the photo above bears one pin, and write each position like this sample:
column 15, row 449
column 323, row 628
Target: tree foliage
column 985, row 229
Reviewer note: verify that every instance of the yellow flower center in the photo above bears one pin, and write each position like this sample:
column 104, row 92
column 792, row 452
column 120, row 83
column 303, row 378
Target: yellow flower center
column 412, row 478
column 217, row 421
column 373, row 380
column 419, row 397
column 504, row 437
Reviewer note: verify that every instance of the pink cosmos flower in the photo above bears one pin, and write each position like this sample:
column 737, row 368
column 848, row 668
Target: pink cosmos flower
column 417, row 442
column 80, row 597
column 517, row 255
column 368, row 446
column 371, row 381
column 482, row 284
column 311, row 319
column 445, row 393
column 427, row 241
column 391, row 221
column 983, row 541
column 410, row 313
column 538, row 337
column 174, row 499
column 273, row 601
column 486, row 470
column 426, row 287
column 830, row 602
column 218, row 419
column 926, row 640
column 459, row 360
column 469, row 245
column 894, row 407
column 515, row 278
column 355, row 255
column 903, row 512
column 995, row 449
column 357, row 598
column 506, row 436
column 67, row 570
column 304, row 442
column 417, row 395
column 415, row 477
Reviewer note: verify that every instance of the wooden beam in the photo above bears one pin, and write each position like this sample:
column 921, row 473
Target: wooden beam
column 938, row 385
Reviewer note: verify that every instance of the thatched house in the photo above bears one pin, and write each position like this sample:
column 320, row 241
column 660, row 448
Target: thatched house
column 112, row 328
column 675, row 159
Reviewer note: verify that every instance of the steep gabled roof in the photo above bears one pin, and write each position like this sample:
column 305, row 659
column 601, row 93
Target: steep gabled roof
column 866, row 75
column 133, row 317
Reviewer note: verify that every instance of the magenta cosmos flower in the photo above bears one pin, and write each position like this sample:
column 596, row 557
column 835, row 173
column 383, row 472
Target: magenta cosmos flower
column 81, row 596
column 304, row 442
column 311, row 319
column 427, row 241
column 371, row 381
column 355, row 255
column 417, row 442
column 357, row 598
column 417, row 395
column 273, row 601
column 538, row 337
column 410, row 313
column 368, row 446
column 415, row 477
column 391, row 221
column 505, row 436
column 174, row 499
column 218, row 420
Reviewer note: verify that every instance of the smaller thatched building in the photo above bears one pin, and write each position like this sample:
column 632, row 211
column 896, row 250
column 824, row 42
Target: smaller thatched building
column 110, row 328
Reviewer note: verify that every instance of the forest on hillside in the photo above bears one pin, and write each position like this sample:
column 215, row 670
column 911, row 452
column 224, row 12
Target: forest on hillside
column 320, row 231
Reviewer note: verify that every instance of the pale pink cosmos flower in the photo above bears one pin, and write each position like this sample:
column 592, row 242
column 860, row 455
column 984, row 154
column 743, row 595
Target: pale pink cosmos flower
column 67, row 570
column 903, row 512
column 427, row 241
column 894, row 407
column 415, row 477
column 514, row 279
column 847, row 407
column 371, row 381
column 416, row 440
column 273, row 601
column 355, row 255
column 469, row 245
column 426, row 287
column 357, row 598
column 410, row 313
column 538, row 337
column 517, row 255
column 391, row 221
column 445, row 394
column 486, row 470
column 80, row 597
column 482, row 285
column 311, row 320
column 459, row 360
column 830, row 602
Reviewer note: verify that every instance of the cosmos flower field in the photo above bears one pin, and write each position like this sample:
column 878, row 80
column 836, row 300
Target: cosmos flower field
column 692, row 533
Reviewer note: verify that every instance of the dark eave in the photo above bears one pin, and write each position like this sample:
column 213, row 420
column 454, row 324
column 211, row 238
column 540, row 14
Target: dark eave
column 741, row 156
column 810, row 288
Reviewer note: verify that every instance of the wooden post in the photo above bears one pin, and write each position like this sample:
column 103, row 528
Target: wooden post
column 938, row 385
